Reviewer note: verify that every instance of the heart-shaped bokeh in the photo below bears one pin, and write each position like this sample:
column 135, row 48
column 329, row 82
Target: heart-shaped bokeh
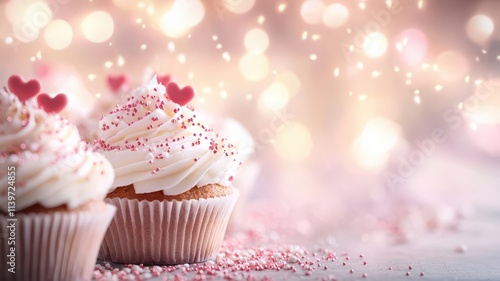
column 180, row 96
column 23, row 90
column 52, row 104
column 118, row 82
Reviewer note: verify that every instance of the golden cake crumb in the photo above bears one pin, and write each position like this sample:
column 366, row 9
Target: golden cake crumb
column 206, row 191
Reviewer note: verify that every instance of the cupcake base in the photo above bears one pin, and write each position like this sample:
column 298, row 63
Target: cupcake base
column 166, row 232
column 54, row 246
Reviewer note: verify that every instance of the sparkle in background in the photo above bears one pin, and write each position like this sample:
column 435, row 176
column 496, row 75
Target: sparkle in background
column 356, row 109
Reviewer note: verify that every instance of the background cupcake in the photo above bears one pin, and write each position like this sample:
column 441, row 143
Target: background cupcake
column 51, row 189
column 173, row 179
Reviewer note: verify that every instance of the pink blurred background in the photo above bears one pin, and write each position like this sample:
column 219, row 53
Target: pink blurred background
column 378, row 116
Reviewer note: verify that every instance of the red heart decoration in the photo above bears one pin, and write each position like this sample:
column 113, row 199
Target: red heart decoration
column 163, row 79
column 23, row 90
column 180, row 96
column 52, row 105
column 117, row 82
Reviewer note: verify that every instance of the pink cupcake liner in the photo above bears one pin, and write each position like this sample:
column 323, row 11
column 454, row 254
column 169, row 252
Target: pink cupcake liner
column 165, row 232
column 55, row 246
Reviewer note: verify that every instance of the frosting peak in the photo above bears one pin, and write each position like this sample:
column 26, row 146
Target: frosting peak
column 158, row 145
column 53, row 165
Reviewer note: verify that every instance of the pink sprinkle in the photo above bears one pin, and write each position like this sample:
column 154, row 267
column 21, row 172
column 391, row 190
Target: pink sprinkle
column 364, row 263
column 407, row 273
column 422, row 273
column 365, row 275
column 351, row 271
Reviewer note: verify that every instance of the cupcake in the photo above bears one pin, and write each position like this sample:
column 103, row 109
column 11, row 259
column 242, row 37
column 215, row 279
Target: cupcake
column 173, row 178
column 52, row 185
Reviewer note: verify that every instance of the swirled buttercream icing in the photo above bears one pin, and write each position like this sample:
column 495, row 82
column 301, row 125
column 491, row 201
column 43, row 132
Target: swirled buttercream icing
column 157, row 145
column 44, row 161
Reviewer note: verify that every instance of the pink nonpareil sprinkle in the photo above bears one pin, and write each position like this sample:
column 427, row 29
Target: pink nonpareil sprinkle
column 240, row 257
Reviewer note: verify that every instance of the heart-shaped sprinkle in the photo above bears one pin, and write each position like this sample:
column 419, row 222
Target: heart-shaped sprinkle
column 52, row 105
column 163, row 79
column 23, row 90
column 180, row 96
column 118, row 82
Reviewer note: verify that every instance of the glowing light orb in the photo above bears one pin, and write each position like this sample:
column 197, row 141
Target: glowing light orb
column 452, row 65
column 254, row 67
column 28, row 18
column 375, row 44
column 414, row 46
column 335, row 15
column 482, row 111
column 174, row 24
column 193, row 8
column 98, row 26
column 293, row 142
column 483, row 107
column 311, row 11
column 238, row 6
column 274, row 97
column 479, row 28
column 256, row 41
column 371, row 148
column 183, row 15
column 58, row 34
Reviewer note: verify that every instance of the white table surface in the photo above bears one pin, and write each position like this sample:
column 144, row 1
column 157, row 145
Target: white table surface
column 434, row 254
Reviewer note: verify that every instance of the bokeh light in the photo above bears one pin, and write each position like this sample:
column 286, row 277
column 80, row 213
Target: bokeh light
column 30, row 19
column 254, row 66
column 482, row 112
column 312, row 11
column 274, row 97
column 293, row 141
column 335, row 95
column 237, row 7
column 58, row 34
column 371, row 148
column 375, row 44
column 452, row 65
column 183, row 15
column 485, row 103
column 193, row 8
column 335, row 15
column 413, row 46
column 256, row 41
column 98, row 26
column 479, row 28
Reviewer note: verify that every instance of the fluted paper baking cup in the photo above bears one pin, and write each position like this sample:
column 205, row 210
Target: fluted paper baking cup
column 53, row 246
column 166, row 232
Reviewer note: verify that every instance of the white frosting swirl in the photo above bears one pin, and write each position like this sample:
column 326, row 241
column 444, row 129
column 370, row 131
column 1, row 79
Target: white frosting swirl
column 53, row 166
column 157, row 145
